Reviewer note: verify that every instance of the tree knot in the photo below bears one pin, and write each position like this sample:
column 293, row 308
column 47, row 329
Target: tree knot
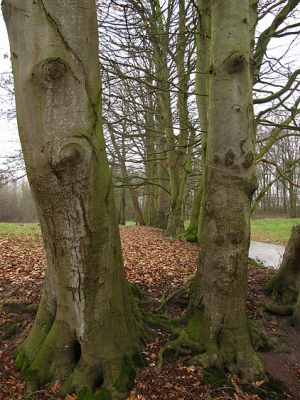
column 229, row 157
column 69, row 159
column 56, row 69
column 236, row 62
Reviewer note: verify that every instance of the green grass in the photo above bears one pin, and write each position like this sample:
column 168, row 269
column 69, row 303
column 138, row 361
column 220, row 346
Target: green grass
column 277, row 230
column 18, row 228
column 264, row 230
column 130, row 223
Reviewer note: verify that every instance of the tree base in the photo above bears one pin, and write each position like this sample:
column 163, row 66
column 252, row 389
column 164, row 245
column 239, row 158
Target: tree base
column 236, row 357
column 52, row 353
column 113, row 381
column 190, row 236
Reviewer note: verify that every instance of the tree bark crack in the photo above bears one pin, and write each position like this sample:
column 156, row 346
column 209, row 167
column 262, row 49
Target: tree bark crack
column 69, row 48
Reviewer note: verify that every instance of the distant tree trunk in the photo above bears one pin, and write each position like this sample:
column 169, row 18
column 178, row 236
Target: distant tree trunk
column 202, row 90
column 285, row 284
column 86, row 329
column 126, row 177
column 262, row 193
column 185, row 141
column 293, row 208
column 122, row 210
column 150, row 162
column 122, row 216
column 190, row 235
column 163, row 194
column 218, row 303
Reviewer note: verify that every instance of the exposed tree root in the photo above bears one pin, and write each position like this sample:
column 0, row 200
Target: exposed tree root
column 81, row 364
column 245, row 363
column 276, row 309
column 18, row 307
column 183, row 345
column 10, row 330
column 15, row 307
column 163, row 307
column 81, row 373
column 289, row 310
column 223, row 352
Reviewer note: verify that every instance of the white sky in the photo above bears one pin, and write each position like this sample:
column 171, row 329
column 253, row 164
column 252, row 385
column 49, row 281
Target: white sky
column 9, row 140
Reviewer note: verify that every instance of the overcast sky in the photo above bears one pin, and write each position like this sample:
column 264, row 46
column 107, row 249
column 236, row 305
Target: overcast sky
column 4, row 46
column 9, row 140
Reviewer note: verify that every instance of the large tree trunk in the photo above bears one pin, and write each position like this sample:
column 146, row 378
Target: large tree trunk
column 86, row 329
column 218, row 303
column 285, row 284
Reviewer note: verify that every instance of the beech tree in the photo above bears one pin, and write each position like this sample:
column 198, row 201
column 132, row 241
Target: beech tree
column 217, row 327
column 275, row 86
column 219, row 292
column 87, row 329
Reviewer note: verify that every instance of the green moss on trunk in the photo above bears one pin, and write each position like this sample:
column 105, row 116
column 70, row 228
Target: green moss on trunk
column 190, row 235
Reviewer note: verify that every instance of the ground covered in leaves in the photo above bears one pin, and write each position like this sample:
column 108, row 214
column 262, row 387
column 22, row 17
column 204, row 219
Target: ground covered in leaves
column 160, row 265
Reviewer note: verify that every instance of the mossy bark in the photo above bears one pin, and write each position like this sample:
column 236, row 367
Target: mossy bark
column 296, row 314
column 15, row 306
column 191, row 234
column 284, row 285
column 86, row 324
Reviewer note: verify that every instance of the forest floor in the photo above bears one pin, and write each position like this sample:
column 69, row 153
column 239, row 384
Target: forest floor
column 159, row 264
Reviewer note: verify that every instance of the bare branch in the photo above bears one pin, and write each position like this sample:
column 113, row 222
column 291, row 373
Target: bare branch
column 279, row 170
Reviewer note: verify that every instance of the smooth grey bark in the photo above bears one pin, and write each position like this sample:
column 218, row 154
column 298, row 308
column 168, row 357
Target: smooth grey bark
column 86, row 326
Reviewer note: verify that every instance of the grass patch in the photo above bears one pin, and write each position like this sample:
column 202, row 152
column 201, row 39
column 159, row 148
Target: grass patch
column 130, row 223
column 277, row 230
column 14, row 229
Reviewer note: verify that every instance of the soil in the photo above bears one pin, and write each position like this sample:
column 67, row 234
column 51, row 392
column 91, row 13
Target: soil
column 160, row 265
